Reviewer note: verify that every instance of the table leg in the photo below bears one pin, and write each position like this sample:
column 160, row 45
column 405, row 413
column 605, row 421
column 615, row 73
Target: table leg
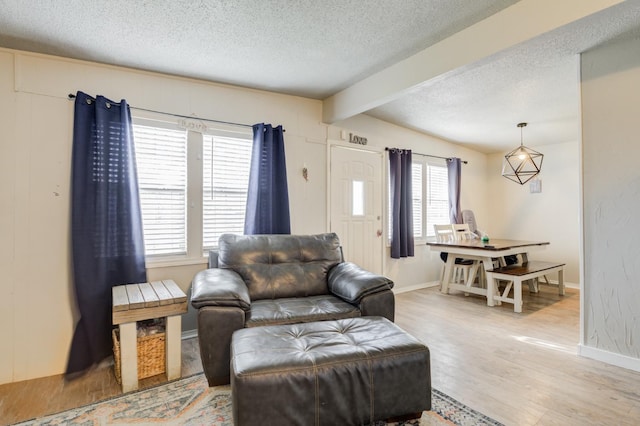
column 533, row 283
column 561, row 282
column 491, row 284
column 128, row 356
column 517, row 295
column 448, row 269
column 473, row 273
column 173, row 346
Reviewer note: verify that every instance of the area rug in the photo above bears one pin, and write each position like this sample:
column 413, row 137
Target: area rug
column 190, row 401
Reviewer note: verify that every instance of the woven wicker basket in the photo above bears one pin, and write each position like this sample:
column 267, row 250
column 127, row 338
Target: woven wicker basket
column 151, row 355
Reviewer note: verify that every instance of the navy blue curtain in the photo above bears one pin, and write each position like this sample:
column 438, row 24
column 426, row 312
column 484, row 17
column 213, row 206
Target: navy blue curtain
column 268, row 195
column 454, row 167
column 107, row 239
column 401, row 203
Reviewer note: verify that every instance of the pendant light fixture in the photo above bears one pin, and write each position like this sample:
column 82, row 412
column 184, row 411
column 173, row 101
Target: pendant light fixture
column 522, row 164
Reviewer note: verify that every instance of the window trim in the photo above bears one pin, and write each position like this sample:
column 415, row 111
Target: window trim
column 195, row 253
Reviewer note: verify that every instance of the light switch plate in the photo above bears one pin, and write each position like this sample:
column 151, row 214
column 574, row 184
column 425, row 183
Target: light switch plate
column 535, row 186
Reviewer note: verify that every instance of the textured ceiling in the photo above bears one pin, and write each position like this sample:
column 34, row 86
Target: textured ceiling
column 536, row 82
column 302, row 47
column 318, row 48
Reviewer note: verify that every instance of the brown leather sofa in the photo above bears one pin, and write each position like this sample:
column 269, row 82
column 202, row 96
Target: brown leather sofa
column 256, row 280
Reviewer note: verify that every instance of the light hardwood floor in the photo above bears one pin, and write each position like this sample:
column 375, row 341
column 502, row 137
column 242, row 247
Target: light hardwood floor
column 520, row 369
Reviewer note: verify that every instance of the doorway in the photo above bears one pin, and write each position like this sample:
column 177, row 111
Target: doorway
column 355, row 201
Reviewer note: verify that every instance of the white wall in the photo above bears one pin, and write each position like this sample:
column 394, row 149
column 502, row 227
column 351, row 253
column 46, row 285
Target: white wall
column 552, row 215
column 611, row 185
column 36, row 315
column 36, row 122
column 37, row 307
column 425, row 266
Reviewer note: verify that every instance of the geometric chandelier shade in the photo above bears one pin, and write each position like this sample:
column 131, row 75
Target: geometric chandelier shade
column 522, row 164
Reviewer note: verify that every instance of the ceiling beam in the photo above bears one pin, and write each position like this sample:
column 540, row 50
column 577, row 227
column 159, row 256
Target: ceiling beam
column 516, row 24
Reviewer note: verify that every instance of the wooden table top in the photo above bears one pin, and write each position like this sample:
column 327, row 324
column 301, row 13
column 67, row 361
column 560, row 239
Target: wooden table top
column 137, row 302
column 491, row 245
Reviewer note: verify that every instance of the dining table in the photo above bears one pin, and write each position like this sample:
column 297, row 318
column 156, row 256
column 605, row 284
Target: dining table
column 483, row 254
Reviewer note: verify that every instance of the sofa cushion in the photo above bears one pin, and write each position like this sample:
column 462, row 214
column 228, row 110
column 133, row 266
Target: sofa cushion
column 281, row 266
column 298, row 310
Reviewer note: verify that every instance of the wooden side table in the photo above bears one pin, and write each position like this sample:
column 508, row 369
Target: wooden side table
column 138, row 302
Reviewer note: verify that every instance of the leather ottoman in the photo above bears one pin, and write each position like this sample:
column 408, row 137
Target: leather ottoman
column 352, row 371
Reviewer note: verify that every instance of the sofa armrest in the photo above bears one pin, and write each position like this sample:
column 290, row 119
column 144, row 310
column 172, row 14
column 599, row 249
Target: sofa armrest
column 351, row 283
column 219, row 287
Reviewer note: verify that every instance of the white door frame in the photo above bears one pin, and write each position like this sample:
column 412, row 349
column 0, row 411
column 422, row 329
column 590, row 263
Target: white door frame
column 371, row 149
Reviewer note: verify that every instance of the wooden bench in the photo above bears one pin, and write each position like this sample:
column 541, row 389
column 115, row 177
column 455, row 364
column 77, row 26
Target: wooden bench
column 138, row 302
column 516, row 274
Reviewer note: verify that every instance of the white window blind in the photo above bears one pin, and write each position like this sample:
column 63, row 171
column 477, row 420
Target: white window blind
column 226, row 163
column 161, row 157
column 437, row 197
column 416, row 189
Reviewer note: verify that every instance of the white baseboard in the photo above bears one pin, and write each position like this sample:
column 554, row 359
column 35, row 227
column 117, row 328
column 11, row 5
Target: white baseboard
column 610, row 357
column 566, row 284
column 188, row 334
column 572, row 285
column 404, row 289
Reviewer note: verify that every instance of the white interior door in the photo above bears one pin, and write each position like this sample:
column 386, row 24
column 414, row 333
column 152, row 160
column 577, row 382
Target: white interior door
column 356, row 205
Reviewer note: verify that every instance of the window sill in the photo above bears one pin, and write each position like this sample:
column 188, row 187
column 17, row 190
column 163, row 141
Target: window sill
column 165, row 262
column 416, row 242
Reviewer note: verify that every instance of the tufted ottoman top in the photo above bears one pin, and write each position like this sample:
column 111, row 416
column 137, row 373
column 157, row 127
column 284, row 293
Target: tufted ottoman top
column 272, row 349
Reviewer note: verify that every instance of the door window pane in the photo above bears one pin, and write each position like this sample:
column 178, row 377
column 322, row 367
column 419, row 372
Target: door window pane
column 358, row 198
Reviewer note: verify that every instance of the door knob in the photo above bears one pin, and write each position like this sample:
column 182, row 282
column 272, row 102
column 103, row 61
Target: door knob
column 379, row 233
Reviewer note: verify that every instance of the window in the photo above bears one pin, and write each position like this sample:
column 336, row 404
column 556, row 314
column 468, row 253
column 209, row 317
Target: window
column 161, row 157
column 437, row 205
column 430, row 193
column 193, row 186
column 225, row 184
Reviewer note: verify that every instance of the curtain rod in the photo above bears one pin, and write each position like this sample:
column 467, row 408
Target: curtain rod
column 72, row 96
column 428, row 155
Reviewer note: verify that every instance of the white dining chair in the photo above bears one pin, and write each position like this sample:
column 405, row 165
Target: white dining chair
column 444, row 233
column 461, row 267
column 462, row 231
